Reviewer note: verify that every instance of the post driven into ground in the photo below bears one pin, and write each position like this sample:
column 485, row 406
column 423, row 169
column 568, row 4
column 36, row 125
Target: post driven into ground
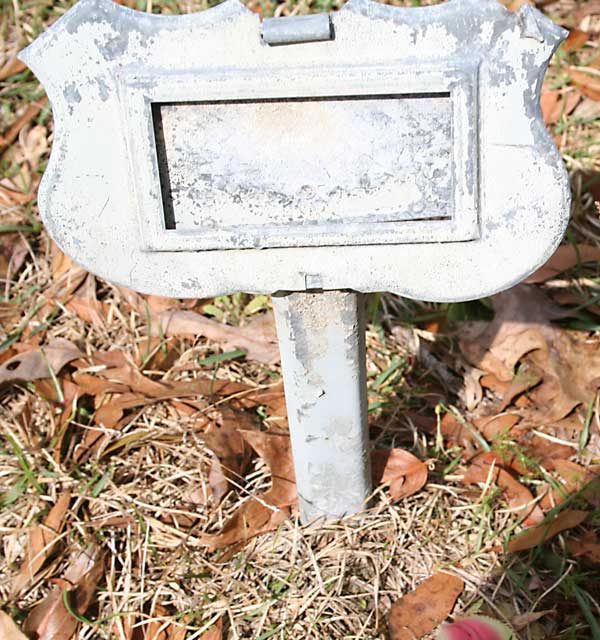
column 322, row 342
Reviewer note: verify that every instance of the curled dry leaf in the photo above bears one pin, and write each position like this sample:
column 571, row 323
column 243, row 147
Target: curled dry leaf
column 521, row 331
column 567, row 519
column 50, row 619
column 422, row 610
column 521, row 324
column 258, row 338
column 41, row 544
column 518, row 497
column 39, row 363
column 8, row 629
column 404, row 472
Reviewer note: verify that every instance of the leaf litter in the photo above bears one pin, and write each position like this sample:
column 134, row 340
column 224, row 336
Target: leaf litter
column 124, row 428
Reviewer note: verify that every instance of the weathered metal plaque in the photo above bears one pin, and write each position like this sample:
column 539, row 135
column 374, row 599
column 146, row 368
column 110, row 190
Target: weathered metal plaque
column 376, row 149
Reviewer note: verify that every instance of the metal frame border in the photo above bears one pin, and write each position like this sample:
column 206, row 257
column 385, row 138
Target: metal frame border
column 139, row 91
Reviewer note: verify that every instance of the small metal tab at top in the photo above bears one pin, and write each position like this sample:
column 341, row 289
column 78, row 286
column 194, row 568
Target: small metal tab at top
column 297, row 29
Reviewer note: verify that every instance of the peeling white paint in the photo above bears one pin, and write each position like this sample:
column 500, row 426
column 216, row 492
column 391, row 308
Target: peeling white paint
column 513, row 171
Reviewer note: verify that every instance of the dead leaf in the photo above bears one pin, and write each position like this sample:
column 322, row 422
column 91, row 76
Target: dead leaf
column 519, row 498
column 50, row 619
column 13, row 251
column 41, row 543
column 11, row 196
column 587, row 109
column 8, row 629
column 585, row 9
column 39, row 363
column 11, row 67
column 159, row 627
column 576, row 40
column 521, row 324
column 422, row 610
column 557, row 104
column 31, row 111
column 269, row 510
column 587, row 83
column 258, row 338
column 492, row 427
column 522, row 620
column 86, row 305
column 404, row 472
column 527, row 377
column 232, row 452
column 565, row 257
column 215, row 632
column 567, row 519
column 588, row 547
column 573, row 478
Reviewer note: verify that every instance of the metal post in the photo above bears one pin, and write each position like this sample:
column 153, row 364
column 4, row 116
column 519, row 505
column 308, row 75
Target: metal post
column 322, row 342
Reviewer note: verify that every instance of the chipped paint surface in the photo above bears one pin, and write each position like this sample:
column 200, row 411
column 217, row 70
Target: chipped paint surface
column 322, row 341
column 506, row 173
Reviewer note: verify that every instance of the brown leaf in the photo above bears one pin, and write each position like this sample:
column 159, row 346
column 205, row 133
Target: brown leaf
column 422, row 610
column 522, row 620
column 588, row 547
column 576, row 40
column 404, row 473
column 556, row 104
column 215, row 632
column 41, row 544
column 565, row 257
column 50, row 619
column 520, row 324
column 31, row 111
column 265, row 512
column 13, row 251
column 85, row 305
column 527, row 377
column 587, row 83
column 11, row 67
column 493, row 427
column 8, row 629
column 39, row 363
column 567, row 519
column 11, row 196
column 573, row 478
column 518, row 497
column 159, row 627
column 232, row 453
column 258, row 338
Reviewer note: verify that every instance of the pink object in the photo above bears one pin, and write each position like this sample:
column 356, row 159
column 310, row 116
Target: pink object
column 471, row 629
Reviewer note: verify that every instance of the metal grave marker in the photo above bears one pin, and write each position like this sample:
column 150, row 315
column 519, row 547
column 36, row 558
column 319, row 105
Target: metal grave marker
column 316, row 158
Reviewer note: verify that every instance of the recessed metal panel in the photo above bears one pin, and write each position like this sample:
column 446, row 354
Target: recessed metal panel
column 348, row 164
column 348, row 160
